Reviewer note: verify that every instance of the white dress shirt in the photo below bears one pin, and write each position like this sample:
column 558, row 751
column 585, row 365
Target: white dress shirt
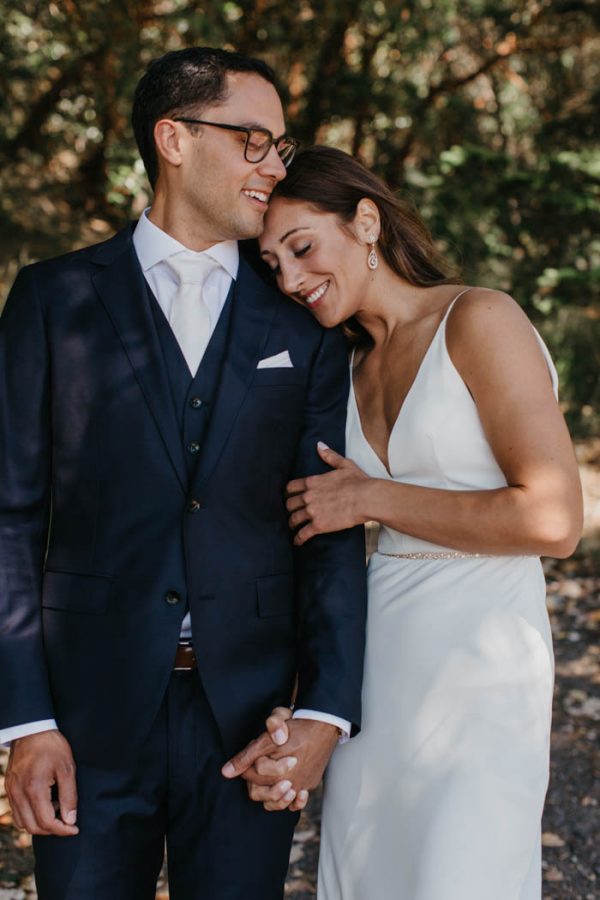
column 153, row 246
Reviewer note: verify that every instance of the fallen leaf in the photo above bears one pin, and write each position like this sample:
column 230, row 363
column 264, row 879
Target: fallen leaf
column 549, row 839
column 553, row 874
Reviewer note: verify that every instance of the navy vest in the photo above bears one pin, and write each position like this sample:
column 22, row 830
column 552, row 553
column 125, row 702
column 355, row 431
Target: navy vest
column 193, row 397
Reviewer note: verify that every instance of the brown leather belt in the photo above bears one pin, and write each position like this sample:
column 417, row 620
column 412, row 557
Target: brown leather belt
column 185, row 658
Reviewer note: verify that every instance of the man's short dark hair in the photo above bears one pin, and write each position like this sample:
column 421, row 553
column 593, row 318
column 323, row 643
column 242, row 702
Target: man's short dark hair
column 182, row 82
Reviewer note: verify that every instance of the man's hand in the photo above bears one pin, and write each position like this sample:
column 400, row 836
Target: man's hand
column 37, row 763
column 300, row 762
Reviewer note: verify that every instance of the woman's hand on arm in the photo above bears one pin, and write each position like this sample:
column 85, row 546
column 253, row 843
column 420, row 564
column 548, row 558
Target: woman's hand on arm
column 321, row 504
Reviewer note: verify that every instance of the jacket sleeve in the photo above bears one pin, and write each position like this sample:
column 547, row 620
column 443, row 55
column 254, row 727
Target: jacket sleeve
column 25, row 467
column 330, row 568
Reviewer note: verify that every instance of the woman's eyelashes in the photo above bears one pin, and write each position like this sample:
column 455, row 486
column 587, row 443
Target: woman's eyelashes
column 276, row 269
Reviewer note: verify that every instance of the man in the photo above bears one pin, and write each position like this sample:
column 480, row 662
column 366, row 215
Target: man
column 156, row 397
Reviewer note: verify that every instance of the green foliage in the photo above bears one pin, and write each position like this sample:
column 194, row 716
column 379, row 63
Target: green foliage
column 485, row 111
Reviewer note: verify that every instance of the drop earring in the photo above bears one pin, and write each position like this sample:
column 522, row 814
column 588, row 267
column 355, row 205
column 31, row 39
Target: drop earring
column 372, row 258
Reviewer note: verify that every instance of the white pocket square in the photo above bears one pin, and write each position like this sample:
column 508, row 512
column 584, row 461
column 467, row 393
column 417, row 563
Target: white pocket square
column 279, row 361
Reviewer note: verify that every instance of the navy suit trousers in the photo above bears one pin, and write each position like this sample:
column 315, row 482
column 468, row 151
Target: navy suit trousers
column 220, row 845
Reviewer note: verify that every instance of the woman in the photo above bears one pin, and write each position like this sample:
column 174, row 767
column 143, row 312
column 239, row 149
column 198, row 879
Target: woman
column 456, row 445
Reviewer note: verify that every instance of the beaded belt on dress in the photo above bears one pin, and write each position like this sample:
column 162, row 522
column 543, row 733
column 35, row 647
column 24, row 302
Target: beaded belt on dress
column 444, row 554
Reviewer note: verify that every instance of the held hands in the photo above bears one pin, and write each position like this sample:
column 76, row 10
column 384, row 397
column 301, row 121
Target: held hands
column 287, row 761
column 37, row 763
column 330, row 502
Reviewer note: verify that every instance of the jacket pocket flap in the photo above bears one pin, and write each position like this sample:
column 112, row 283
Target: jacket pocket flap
column 76, row 593
column 275, row 595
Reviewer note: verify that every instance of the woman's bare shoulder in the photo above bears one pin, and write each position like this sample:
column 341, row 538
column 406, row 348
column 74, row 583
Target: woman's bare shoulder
column 487, row 331
column 479, row 306
column 482, row 318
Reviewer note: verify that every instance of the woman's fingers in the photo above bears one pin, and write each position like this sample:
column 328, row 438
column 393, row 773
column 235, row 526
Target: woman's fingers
column 298, row 518
column 294, row 503
column 300, row 802
column 276, row 797
column 275, row 769
column 304, row 535
column 333, row 459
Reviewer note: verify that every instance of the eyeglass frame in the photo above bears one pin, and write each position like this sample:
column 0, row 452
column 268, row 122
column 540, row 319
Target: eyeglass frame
column 245, row 129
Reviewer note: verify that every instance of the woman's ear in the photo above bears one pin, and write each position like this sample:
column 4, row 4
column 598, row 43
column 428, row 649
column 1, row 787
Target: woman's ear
column 367, row 221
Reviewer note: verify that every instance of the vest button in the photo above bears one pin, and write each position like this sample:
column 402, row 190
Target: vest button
column 193, row 447
column 193, row 506
column 172, row 598
column 195, row 402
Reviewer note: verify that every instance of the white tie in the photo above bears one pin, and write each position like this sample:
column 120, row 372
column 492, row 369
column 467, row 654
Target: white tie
column 189, row 317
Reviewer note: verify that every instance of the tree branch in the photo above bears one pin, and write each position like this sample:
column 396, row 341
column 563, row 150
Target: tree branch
column 29, row 136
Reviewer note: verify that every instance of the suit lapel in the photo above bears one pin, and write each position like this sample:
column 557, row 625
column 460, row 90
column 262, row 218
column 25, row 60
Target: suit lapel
column 254, row 306
column 122, row 288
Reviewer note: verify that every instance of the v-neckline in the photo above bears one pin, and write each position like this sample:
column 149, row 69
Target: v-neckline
column 384, row 465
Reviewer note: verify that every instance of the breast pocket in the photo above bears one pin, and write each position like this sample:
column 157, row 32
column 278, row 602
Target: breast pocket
column 279, row 377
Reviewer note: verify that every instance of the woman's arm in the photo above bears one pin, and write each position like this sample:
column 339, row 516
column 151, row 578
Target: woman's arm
column 495, row 350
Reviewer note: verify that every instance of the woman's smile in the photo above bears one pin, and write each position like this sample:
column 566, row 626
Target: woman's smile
column 316, row 295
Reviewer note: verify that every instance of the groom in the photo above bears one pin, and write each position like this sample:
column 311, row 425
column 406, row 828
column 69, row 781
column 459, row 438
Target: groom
column 155, row 397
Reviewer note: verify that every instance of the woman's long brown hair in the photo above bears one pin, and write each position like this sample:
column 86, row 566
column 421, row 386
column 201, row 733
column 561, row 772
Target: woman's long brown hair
column 335, row 182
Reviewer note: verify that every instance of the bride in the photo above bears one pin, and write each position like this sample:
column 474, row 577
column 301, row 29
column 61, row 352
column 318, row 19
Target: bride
column 456, row 445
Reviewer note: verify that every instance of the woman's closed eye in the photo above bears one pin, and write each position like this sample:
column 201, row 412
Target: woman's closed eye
column 302, row 251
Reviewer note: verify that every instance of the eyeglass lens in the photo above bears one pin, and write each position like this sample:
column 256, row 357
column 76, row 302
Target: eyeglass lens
column 259, row 144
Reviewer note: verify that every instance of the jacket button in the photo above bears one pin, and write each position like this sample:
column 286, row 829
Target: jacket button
column 193, row 447
column 195, row 402
column 193, row 506
column 172, row 598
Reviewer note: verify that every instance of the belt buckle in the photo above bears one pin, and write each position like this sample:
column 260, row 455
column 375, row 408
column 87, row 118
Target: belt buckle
column 185, row 656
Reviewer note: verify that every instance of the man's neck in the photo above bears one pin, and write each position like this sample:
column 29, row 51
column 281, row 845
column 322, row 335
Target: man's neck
column 172, row 219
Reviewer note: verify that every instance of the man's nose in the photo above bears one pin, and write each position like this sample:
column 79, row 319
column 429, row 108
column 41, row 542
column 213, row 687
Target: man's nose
column 272, row 165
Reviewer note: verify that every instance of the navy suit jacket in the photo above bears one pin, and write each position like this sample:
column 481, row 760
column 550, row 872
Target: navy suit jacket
column 97, row 527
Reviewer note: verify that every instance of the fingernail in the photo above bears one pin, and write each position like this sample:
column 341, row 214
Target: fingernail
column 322, row 446
column 303, row 795
column 279, row 736
column 71, row 817
column 289, row 796
column 285, row 786
column 228, row 770
column 292, row 761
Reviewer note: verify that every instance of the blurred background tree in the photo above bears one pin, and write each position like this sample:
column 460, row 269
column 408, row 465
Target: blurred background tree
column 484, row 112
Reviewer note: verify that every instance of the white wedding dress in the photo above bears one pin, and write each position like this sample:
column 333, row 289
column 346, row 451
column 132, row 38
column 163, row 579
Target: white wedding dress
column 441, row 794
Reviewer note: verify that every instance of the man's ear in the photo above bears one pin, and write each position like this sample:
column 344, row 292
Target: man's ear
column 168, row 138
column 367, row 221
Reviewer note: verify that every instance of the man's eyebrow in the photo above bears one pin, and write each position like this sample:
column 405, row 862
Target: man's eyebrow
column 255, row 124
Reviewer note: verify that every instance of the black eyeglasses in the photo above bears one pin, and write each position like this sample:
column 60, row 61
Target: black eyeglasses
column 258, row 140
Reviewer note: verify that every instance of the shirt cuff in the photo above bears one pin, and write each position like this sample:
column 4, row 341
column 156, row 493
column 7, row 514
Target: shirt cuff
column 18, row 731
column 344, row 726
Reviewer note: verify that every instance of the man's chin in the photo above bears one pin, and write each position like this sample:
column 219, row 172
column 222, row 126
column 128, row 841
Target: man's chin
column 251, row 227
column 254, row 230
